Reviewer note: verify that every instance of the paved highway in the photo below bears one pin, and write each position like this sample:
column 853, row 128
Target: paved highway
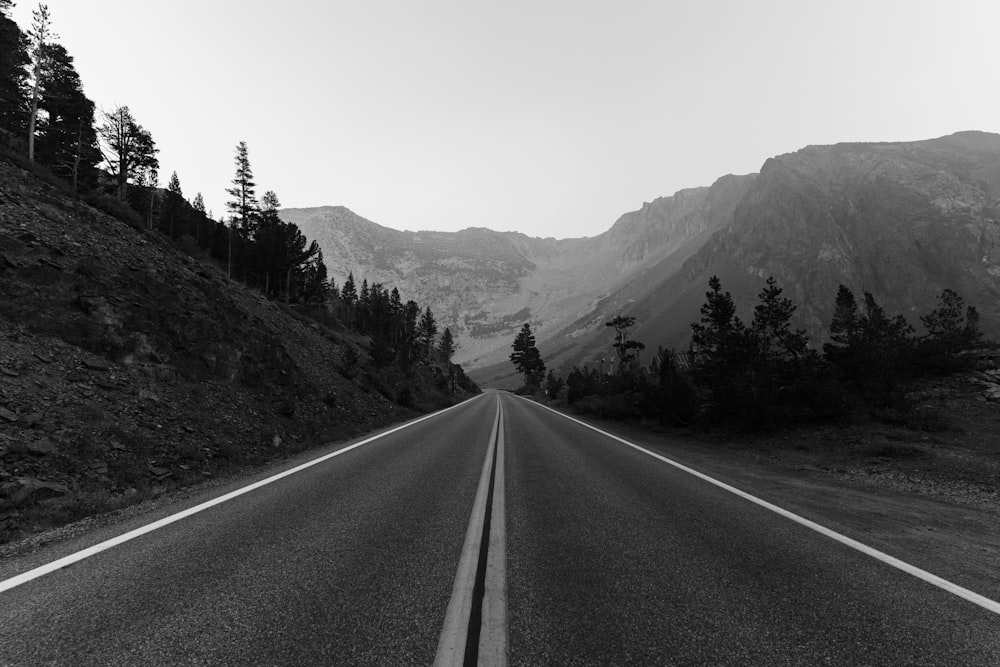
column 586, row 551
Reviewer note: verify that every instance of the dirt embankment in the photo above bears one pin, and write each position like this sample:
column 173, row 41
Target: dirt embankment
column 128, row 368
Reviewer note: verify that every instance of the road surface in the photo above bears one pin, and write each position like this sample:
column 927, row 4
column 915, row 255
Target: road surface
column 587, row 551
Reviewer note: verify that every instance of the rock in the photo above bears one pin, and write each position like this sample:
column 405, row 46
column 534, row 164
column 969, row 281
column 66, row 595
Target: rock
column 43, row 356
column 77, row 376
column 22, row 489
column 43, row 446
column 98, row 467
column 9, row 372
column 8, row 416
column 96, row 364
column 158, row 472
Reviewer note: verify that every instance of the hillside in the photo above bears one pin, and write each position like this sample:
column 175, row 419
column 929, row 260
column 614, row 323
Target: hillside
column 127, row 367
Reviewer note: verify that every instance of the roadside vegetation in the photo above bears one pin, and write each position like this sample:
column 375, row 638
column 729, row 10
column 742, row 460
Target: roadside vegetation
column 765, row 375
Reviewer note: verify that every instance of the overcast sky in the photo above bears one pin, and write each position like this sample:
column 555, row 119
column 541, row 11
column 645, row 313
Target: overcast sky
column 550, row 118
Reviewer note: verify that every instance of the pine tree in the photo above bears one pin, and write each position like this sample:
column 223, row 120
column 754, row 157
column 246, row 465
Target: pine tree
column 243, row 205
column 13, row 75
column 66, row 139
column 446, row 346
column 129, row 150
column 771, row 327
column 952, row 326
column 718, row 323
column 526, row 357
column 871, row 350
column 627, row 350
column 39, row 37
column 426, row 333
column 265, row 256
column 844, row 327
column 315, row 282
column 174, row 185
column 348, row 293
column 199, row 203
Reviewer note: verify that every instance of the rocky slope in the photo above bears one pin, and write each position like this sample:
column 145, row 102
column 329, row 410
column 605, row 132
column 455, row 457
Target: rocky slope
column 127, row 367
column 485, row 284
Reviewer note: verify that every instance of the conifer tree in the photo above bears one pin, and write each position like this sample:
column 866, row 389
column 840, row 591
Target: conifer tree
column 426, row 333
column 952, row 326
column 65, row 136
column 315, row 282
column 243, row 205
column 174, row 185
column 39, row 37
column 627, row 349
column 199, row 203
column 129, row 149
column 349, row 293
column 446, row 346
column 13, row 75
column 526, row 357
column 771, row 327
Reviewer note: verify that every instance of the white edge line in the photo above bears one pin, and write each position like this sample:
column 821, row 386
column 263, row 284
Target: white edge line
column 933, row 579
column 65, row 561
column 455, row 631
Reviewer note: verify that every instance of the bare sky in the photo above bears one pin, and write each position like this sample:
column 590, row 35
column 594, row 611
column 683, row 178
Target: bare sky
column 550, row 118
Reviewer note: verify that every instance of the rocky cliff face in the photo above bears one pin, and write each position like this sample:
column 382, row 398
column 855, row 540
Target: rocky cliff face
column 903, row 221
column 485, row 284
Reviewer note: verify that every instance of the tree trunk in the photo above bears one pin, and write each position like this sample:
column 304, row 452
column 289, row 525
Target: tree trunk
column 34, row 115
column 77, row 158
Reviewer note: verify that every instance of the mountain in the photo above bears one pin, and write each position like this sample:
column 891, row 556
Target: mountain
column 485, row 284
column 902, row 220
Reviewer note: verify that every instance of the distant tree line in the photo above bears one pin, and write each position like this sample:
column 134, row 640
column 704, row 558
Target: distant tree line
column 764, row 373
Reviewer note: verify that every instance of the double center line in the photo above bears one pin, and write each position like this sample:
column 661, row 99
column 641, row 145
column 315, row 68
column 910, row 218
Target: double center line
column 475, row 625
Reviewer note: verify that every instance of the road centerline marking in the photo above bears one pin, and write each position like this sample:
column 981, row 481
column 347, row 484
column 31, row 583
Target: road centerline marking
column 892, row 561
column 493, row 628
column 78, row 556
column 475, row 623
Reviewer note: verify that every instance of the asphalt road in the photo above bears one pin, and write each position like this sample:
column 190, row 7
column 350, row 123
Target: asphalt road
column 616, row 558
column 612, row 557
column 349, row 562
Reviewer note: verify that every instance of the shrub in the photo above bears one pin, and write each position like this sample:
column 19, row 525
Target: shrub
column 115, row 208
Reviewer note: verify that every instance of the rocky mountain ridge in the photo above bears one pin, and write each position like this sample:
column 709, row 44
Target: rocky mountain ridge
column 485, row 284
column 902, row 220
